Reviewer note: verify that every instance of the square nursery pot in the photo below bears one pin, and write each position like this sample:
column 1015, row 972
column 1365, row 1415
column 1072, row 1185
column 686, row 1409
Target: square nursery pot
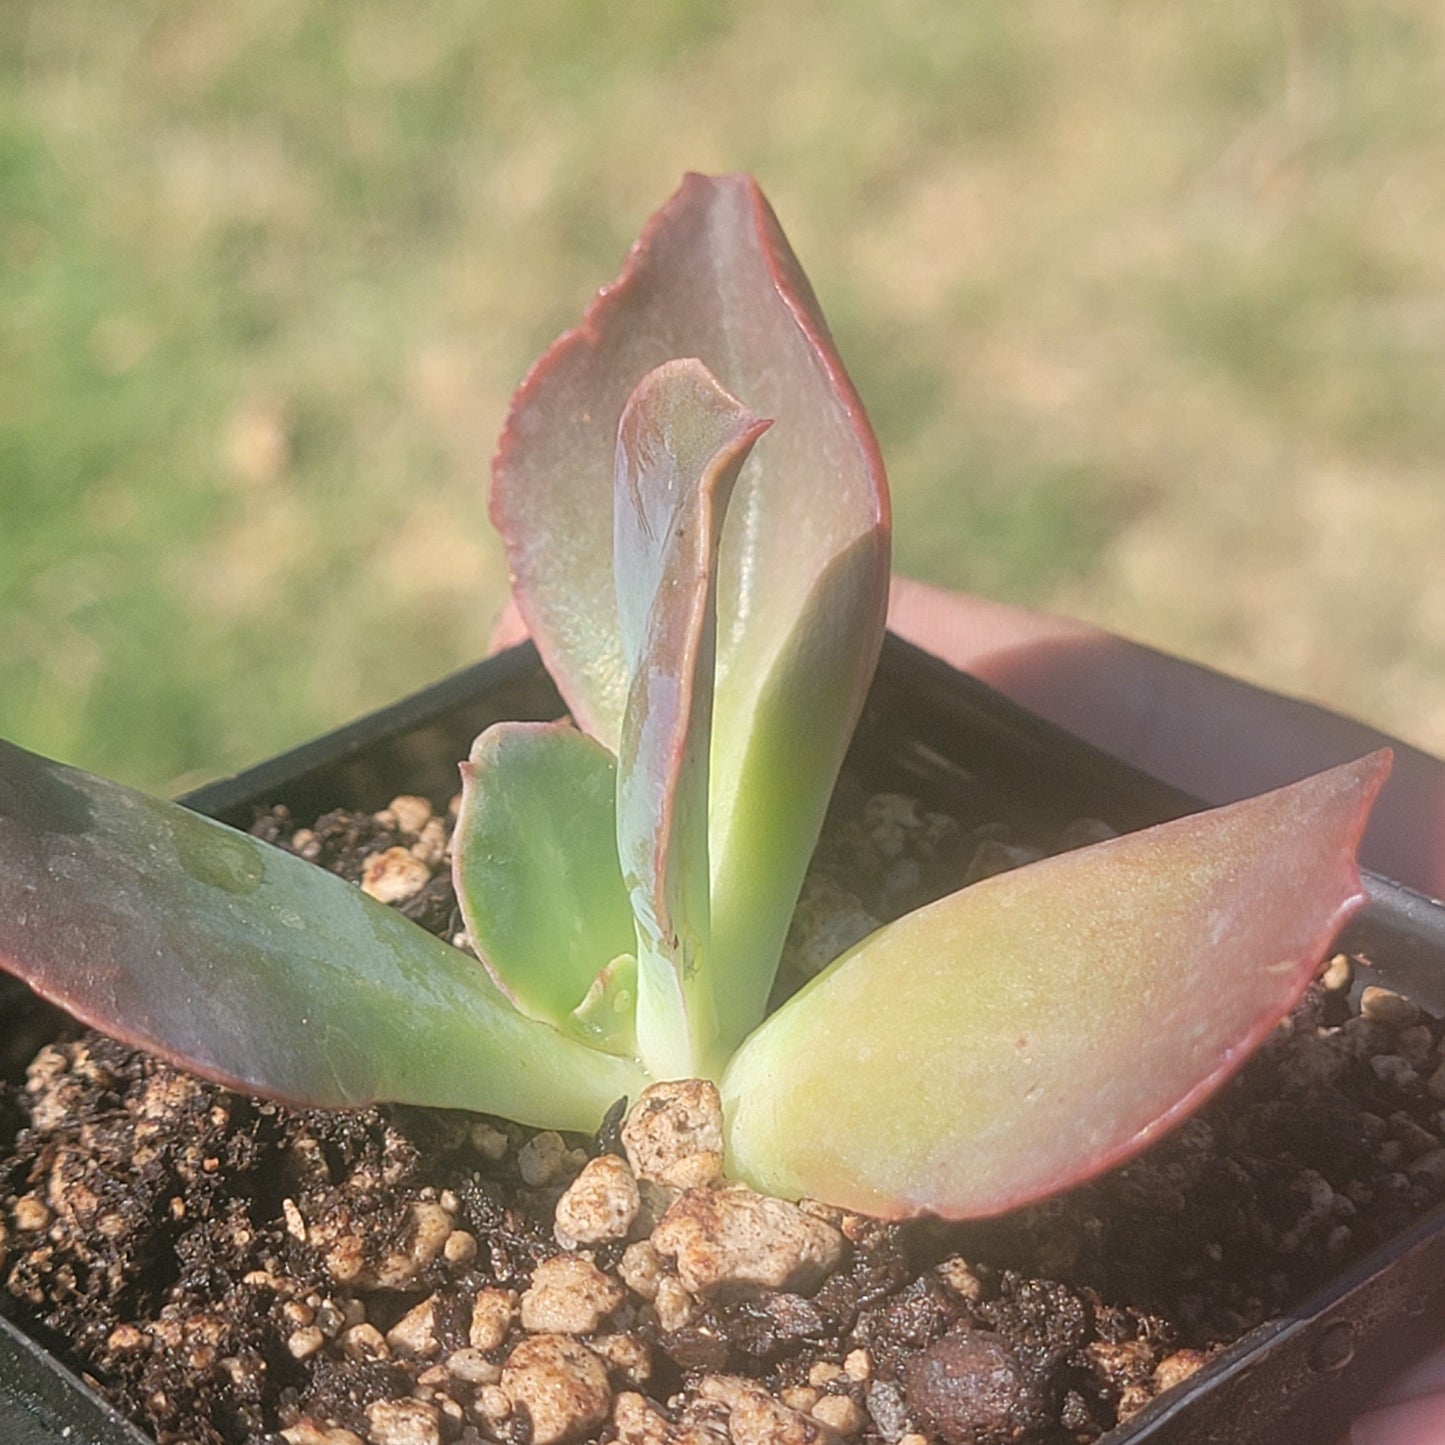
column 943, row 737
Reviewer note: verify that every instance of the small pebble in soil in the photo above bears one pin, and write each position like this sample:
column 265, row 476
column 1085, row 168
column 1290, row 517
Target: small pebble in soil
column 403, row 1422
column 973, row 1388
column 599, row 1205
column 730, row 1238
column 569, row 1295
column 394, row 876
column 674, row 1134
column 542, row 1158
column 561, row 1385
column 493, row 1311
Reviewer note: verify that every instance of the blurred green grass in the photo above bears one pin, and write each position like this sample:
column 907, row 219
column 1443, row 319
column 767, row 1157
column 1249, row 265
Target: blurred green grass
column 1147, row 303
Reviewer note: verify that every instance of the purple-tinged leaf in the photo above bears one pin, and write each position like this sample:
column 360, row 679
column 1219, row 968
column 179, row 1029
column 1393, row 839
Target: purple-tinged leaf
column 1023, row 1034
column 711, row 277
column 680, row 445
column 534, row 860
column 254, row 968
column 803, row 563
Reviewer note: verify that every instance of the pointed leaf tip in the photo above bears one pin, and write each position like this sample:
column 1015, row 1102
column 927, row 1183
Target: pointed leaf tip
column 1032, row 1030
column 246, row 964
column 711, row 276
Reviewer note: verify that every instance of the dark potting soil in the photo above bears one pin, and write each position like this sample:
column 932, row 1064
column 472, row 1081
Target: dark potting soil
column 230, row 1270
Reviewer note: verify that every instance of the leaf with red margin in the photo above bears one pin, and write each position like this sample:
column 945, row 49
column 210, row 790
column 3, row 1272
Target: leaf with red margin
column 681, row 443
column 1023, row 1034
column 257, row 969
column 803, row 565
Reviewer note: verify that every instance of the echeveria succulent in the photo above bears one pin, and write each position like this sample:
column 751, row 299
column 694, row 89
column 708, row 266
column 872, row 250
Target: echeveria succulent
column 697, row 524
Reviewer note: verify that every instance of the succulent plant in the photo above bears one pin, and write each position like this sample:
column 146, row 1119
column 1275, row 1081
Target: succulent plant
column 696, row 520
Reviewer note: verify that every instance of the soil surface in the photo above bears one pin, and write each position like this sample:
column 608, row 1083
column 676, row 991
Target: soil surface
column 232, row 1272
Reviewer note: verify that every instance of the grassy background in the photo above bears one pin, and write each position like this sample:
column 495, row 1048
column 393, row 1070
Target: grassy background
column 1147, row 302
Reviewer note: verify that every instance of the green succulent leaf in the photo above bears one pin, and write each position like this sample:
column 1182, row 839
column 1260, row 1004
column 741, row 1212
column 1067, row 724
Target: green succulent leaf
column 803, row 560
column 680, row 445
column 764, row 831
column 536, row 871
column 257, row 969
column 607, row 1016
column 1029, row 1031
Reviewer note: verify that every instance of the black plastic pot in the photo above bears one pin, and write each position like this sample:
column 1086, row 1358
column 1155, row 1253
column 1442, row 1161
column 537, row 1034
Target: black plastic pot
column 934, row 732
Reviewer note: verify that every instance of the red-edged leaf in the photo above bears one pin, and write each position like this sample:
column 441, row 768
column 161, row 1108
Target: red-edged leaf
column 711, row 277
column 681, row 442
column 803, row 564
column 1029, row 1031
column 257, row 969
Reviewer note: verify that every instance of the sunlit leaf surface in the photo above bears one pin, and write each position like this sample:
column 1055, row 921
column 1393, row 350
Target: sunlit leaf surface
column 1027, row 1032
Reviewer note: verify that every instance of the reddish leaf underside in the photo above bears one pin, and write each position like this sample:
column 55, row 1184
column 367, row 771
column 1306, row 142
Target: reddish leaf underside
column 1027, row 1032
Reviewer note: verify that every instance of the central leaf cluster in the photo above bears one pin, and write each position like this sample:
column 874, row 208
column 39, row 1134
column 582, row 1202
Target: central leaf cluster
column 712, row 615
